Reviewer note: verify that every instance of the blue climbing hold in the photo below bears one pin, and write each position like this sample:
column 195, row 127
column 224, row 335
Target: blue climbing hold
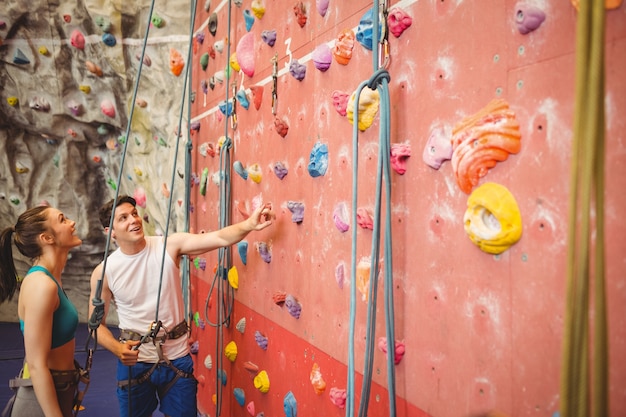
column 242, row 248
column 243, row 99
column 364, row 30
column 318, row 160
column 249, row 18
column 221, row 375
column 290, row 405
column 239, row 169
column 240, row 396
column 19, row 57
column 226, row 108
column 108, row 39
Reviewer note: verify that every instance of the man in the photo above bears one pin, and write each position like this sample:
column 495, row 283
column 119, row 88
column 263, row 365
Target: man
column 160, row 367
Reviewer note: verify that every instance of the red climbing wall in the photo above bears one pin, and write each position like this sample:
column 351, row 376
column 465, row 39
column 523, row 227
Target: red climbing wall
column 482, row 332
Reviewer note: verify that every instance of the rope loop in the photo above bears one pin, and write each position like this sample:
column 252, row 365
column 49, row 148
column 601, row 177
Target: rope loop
column 377, row 77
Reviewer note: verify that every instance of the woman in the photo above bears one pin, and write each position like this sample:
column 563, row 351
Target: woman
column 48, row 319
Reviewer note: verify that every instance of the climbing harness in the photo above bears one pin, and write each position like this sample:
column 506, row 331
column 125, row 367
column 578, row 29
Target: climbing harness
column 587, row 186
column 379, row 81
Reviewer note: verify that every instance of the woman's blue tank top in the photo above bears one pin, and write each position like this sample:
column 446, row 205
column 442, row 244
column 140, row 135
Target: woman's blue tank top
column 65, row 317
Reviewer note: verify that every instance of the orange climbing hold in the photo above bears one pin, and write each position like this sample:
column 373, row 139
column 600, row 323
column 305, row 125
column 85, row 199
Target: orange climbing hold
column 342, row 51
column 176, row 62
column 319, row 385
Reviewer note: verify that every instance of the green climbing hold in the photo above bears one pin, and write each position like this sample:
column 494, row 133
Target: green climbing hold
column 204, row 61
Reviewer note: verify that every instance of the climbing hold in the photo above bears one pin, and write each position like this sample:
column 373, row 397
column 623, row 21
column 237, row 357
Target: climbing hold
column 281, row 127
column 528, row 17
column 176, row 62
column 438, row 148
column 251, row 367
column 234, row 64
column 290, row 405
column 340, row 274
column 75, row 107
column 250, row 408
column 157, row 21
column 338, row 397
column 208, row 362
column 300, row 11
column 203, row 180
column 340, row 102
column 245, row 54
column 140, row 197
column 13, row 101
column 238, row 3
column 262, row 382
column 109, row 40
column 194, row 348
column 318, row 160
column 103, row 23
column 85, row 89
column 194, row 127
column 107, row 108
column 364, row 30
column 364, row 218
column 279, row 298
column 211, row 51
column 20, row 168
column 280, row 170
column 93, row 68
column 243, row 98
column 293, row 306
column 297, row 70
column 322, row 57
column 368, row 107
column 269, row 37
column 399, row 154
column 146, row 59
column 67, row 18
column 242, row 249
column 398, row 349
column 199, row 37
column 492, row 219
column 322, row 6
column 241, row 325
column 226, row 108
column 255, row 173
column 363, row 277
column 221, row 376
column 257, row 96
column 342, row 51
column 248, row 18
column 341, row 217
column 212, row 25
column 233, row 277
column 77, row 39
column 230, row 351
column 204, row 61
column 239, row 169
column 481, row 141
column 219, row 45
column 264, row 251
column 19, row 57
column 297, row 211
column 102, row 129
column 398, row 21
column 258, row 8
column 39, row 104
column 207, row 5
column 240, row 396
column 319, row 385
column 261, row 340
column 200, row 263
column 43, row 50
column 164, row 190
column 205, row 86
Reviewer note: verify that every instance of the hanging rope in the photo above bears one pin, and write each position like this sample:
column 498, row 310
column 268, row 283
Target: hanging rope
column 586, row 190
column 379, row 81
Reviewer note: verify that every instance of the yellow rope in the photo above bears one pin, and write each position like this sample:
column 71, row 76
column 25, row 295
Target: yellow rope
column 587, row 187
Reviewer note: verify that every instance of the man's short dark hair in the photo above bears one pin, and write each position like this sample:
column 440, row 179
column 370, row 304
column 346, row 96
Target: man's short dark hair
column 107, row 209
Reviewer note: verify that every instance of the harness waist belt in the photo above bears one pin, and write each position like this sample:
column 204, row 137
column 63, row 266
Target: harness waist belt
column 179, row 330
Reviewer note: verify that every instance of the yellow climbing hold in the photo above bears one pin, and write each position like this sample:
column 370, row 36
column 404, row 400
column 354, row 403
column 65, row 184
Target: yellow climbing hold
column 138, row 172
column 368, row 107
column 12, row 101
column 85, row 89
column 262, row 382
column 233, row 277
column 234, row 64
column 492, row 219
column 43, row 50
column 254, row 173
column 258, row 9
column 231, row 351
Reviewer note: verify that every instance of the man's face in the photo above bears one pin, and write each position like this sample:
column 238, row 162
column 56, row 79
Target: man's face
column 127, row 224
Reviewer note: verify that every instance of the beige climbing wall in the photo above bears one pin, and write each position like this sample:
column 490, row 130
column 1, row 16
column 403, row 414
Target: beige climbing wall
column 481, row 332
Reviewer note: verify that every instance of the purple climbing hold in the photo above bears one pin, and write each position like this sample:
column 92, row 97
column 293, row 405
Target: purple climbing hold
column 318, row 160
column 264, row 251
column 322, row 57
column 261, row 340
column 75, row 107
column 269, row 37
column 293, row 306
column 242, row 249
column 205, row 86
column 195, row 126
column 200, row 37
column 297, row 211
column 528, row 17
column 195, row 346
column 297, row 70
column 280, row 170
column 322, row 6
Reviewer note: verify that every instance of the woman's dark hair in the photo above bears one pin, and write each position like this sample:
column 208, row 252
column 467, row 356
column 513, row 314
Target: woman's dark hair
column 25, row 233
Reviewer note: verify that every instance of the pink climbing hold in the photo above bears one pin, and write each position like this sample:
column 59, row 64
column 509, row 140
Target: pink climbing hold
column 140, row 197
column 77, row 39
column 438, row 148
column 399, row 153
column 340, row 274
column 245, row 54
column 107, row 108
column 338, row 397
column 340, row 102
column 251, row 409
column 364, row 218
column 322, row 57
column 322, row 6
column 398, row 350
column 341, row 217
column 398, row 21
column 281, row 127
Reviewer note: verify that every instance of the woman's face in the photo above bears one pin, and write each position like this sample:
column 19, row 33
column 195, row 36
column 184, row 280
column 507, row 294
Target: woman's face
column 62, row 228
